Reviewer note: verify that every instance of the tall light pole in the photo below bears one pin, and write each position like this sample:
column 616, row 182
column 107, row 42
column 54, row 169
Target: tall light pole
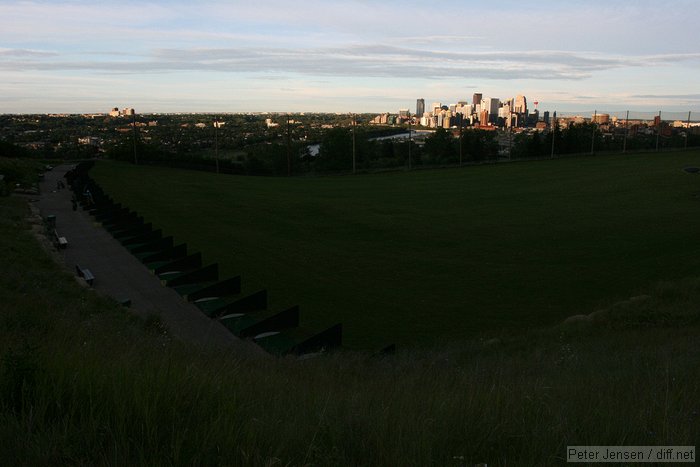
column 353, row 143
column 510, row 136
column 595, row 117
column 289, row 150
column 461, row 122
column 409, row 140
column 658, row 132
column 554, row 134
column 627, row 122
column 216, row 144
column 133, row 124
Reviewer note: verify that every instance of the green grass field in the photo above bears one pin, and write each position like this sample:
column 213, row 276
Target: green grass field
column 84, row 382
column 431, row 256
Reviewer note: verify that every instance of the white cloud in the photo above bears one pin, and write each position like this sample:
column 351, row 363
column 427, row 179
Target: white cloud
column 354, row 61
column 595, row 48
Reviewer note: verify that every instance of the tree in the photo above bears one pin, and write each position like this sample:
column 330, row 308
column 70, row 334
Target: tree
column 440, row 148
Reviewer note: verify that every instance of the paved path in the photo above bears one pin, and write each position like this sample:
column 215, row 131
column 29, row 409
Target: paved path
column 121, row 276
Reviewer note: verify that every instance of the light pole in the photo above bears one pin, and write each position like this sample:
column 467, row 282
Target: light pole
column 216, row 144
column 353, row 143
column 554, row 134
column 595, row 117
column 510, row 137
column 658, row 132
column 133, row 123
column 460, row 140
column 289, row 150
column 409, row 140
column 627, row 122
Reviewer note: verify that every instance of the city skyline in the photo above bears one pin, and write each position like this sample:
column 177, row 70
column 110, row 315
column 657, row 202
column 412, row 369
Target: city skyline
column 356, row 56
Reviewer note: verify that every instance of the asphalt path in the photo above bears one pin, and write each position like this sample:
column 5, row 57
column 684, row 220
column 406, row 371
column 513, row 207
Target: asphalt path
column 121, row 276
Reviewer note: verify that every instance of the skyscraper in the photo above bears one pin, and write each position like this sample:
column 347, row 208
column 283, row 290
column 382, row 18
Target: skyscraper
column 476, row 99
column 520, row 105
column 491, row 105
column 420, row 107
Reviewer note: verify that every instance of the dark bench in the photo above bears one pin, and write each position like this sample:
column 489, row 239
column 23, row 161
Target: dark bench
column 62, row 242
column 85, row 274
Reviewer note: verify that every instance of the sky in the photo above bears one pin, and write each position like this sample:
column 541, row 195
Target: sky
column 347, row 56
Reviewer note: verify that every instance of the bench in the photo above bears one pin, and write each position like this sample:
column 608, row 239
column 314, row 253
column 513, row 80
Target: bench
column 85, row 274
column 62, row 242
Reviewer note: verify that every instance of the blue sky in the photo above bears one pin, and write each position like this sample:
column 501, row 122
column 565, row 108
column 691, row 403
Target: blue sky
column 346, row 56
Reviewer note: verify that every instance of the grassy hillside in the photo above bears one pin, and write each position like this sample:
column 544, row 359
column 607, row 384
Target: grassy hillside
column 423, row 257
column 82, row 382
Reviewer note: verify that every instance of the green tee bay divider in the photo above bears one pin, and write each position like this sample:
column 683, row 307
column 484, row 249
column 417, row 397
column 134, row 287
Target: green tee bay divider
column 298, row 340
column 123, row 222
column 253, row 324
column 246, row 316
column 166, row 254
column 152, row 247
column 203, row 275
column 142, row 238
column 114, row 215
column 130, row 230
column 215, row 307
column 223, row 288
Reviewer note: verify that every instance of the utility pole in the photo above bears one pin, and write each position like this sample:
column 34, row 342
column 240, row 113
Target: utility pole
column 687, row 131
column 289, row 150
column 554, row 134
column 461, row 122
column 658, row 132
column 627, row 122
column 216, row 144
column 510, row 137
column 595, row 117
column 133, row 124
column 409, row 141
column 353, row 123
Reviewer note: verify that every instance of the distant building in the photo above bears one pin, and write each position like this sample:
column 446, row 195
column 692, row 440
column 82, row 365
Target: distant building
column 520, row 105
column 89, row 141
column 601, row 118
column 127, row 112
column 381, row 119
column 420, row 107
column 114, row 112
column 447, row 119
column 490, row 105
column 484, row 117
column 476, row 99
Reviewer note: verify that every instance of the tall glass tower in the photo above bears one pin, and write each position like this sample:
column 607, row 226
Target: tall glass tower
column 420, row 107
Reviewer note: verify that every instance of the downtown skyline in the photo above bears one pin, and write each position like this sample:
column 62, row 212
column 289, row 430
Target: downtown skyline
column 356, row 56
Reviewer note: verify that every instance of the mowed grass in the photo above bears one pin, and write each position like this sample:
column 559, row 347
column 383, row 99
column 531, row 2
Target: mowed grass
column 83, row 382
column 432, row 256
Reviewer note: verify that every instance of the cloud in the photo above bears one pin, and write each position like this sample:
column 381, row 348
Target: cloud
column 667, row 96
column 25, row 53
column 372, row 60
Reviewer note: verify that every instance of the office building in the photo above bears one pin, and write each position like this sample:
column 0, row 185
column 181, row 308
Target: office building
column 420, row 107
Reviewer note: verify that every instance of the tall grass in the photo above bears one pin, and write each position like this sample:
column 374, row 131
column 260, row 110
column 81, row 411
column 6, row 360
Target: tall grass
column 83, row 382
